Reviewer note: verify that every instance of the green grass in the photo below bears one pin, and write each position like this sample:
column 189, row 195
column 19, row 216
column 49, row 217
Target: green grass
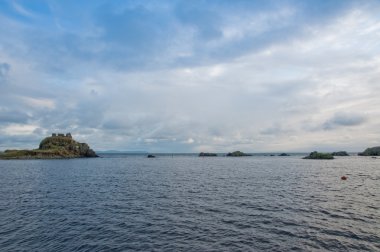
column 36, row 154
column 319, row 155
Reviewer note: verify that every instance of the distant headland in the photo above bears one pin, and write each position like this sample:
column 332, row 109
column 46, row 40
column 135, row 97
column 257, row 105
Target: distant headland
column 56, row 146
column 374, row 151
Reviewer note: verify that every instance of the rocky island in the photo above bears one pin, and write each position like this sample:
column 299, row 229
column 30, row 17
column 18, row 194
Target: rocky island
column 56, row 146
column 319, row 155
column 207, row 154
column 237, row 154
column 374, row 151
column 340, row 153
column 284, row 155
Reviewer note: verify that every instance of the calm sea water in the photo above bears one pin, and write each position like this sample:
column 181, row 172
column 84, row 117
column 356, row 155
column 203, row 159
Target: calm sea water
column 186, row 203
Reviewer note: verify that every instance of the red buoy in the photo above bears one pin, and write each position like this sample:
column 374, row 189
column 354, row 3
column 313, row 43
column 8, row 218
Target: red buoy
column 343, row 178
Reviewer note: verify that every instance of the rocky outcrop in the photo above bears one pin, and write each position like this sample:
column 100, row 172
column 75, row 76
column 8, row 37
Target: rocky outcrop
column 237, row 154
column 340, row 153
column 319, row 155
column 207, row 154
column 67, row 144
column 53, row 147
column 284, row 155
column 374, row 151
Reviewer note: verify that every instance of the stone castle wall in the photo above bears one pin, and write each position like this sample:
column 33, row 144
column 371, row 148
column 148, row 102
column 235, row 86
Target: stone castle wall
column 68, row 135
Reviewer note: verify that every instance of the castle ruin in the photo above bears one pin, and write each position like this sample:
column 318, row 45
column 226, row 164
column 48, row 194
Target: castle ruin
column 68, row 135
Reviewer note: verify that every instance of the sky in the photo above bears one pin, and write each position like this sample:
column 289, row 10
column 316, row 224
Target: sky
column 191, row 76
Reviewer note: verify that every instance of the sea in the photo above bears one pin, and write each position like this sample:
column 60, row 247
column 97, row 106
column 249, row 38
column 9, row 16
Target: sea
column 190, row 203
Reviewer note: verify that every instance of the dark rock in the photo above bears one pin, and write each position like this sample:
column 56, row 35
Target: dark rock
column 237, row 154
column 340, row 153
column 318, row 155
column 207, row 154
column 151, row 156
column 284, row 155
column 374, row 151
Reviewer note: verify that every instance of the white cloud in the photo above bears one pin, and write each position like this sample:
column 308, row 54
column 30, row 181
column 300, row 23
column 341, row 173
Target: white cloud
column 190, row 141
column 39, row 102
column 19, row 129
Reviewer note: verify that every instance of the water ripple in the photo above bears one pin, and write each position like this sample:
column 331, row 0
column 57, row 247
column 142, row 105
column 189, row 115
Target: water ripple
column 190, row 204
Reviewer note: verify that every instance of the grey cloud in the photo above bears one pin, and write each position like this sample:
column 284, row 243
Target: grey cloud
column 206, row 22
column 344, row 119
column 4, row 70
column 113, row 125
column 39, row 131
column 139, row 36
column 13, row 116
column 275, row 129
column 19, row 141
column 64, row 118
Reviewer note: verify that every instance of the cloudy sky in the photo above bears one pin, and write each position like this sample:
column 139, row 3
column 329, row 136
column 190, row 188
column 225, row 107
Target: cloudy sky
column 189, row 76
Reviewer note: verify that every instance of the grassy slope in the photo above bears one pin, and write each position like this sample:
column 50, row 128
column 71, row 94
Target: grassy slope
column 37, row 154
column 50, row 148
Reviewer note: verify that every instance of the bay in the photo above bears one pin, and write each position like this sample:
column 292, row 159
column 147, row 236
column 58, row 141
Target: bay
column 187, row 203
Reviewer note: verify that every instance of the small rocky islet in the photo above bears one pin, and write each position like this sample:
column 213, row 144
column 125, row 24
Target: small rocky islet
column 340, row 154
column 283, row 155
column 229, row 154
column 207, row 154
column 57, row 146
column 373, row 151
column 237, row 154
column 319, row 155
